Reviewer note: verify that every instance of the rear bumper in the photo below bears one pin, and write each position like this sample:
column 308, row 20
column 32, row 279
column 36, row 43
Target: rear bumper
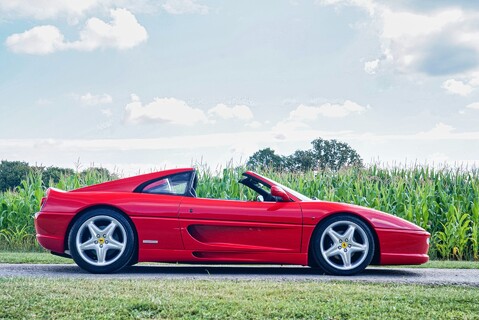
column 403, row 246
column 51, row 229
column 55, row 244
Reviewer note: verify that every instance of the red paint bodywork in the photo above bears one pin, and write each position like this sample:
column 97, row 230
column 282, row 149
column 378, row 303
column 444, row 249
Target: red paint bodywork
column 199, row 230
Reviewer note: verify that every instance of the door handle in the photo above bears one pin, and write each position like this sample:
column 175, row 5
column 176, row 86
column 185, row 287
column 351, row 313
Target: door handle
column 191, row 210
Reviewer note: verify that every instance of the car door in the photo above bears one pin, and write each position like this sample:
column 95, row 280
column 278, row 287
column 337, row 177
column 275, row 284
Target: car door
column 154, row 209
column 247, row 226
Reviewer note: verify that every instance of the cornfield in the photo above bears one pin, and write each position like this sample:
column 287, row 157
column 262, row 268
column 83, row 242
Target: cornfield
column 443, row 201
column 17, row 207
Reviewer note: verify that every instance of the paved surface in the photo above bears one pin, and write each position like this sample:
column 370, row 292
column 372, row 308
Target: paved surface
column 281, row 273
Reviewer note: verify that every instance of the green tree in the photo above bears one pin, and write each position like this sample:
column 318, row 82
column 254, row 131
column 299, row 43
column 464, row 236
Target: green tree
column 325, row 154
column 334, row 155
column 12, row 173
column 265, row 158
column 54, row 174
column 300, row 160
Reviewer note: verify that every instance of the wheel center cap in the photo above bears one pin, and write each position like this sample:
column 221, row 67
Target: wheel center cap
column 344, row 245
column 101, row 240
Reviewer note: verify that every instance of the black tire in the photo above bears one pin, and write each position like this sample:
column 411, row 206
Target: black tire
column 331, row 249
column 103, row 252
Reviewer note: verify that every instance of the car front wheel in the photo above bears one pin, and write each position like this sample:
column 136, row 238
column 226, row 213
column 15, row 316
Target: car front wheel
column 343, row 245
column 102, row 241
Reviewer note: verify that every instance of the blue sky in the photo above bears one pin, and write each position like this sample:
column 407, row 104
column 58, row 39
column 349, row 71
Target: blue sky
column 138, row 85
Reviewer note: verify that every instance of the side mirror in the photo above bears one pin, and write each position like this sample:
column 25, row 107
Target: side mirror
column 280, row 193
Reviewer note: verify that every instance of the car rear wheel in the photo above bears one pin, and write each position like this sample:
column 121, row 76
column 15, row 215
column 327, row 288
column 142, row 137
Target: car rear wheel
column 102, row 241
column 343, row 245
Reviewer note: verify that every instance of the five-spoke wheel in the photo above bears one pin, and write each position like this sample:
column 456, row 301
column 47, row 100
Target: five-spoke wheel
column 343, row 245
column 102, row 241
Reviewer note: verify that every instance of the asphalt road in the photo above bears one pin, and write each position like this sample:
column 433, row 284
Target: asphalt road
column 278, row 273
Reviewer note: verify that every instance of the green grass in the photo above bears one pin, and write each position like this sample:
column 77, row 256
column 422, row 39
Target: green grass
column 22, row 298
column 445, row 264
column 48, row 258
column 32, row 257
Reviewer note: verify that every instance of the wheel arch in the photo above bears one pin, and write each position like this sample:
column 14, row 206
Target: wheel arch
column 377, row 251
column 99, row 207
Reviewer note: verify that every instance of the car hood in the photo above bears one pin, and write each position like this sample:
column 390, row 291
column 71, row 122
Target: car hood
column 377, row 218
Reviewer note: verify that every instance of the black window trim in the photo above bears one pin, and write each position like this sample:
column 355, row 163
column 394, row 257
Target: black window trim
column 249, row 181
column 187, row 192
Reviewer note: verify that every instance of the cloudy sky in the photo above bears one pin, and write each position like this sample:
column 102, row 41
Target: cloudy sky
column 137, row 85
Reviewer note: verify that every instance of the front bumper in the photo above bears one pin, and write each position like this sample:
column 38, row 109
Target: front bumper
column 399, row 246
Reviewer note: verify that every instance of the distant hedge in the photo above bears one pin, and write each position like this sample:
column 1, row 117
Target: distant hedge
column 13, row 172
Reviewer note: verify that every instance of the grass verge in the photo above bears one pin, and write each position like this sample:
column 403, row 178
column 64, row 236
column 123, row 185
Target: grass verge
column 48, row 258
column 444, row 264
column 224, row 299
column 31, row 257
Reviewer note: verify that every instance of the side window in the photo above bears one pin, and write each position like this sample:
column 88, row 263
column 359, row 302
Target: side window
column 176, row 184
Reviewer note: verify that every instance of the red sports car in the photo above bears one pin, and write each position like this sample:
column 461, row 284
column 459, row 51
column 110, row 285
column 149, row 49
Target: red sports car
column 157, row 217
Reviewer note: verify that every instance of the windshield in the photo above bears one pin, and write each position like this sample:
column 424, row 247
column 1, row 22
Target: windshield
column 298, row 195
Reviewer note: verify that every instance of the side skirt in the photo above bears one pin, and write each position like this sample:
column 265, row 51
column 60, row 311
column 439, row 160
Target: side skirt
column 229, row 257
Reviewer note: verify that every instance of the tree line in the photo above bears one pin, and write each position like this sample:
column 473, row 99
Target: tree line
column 324, row 155
column 13, row 172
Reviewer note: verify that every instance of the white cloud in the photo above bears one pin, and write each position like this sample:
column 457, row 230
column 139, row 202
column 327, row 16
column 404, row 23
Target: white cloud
column 163, row 110
column 457, row 87
column 370, row 67
column 72, row 10
column 329, row 110
column 299, row 118
column 368, row 5
column 98, row 99
column 412, row 41
column 440, row 42
column 474, row 80
column 474, row 106
column 38, row 40
column 304, row 113
column 240, row 112
column 184, row 7
column 175, row 111
column 425, row 43
column 123, row 32
column 46, row 9
column 400, row 25
column 440, row 131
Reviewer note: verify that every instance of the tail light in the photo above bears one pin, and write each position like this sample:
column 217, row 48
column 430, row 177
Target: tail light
column 44, row 199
